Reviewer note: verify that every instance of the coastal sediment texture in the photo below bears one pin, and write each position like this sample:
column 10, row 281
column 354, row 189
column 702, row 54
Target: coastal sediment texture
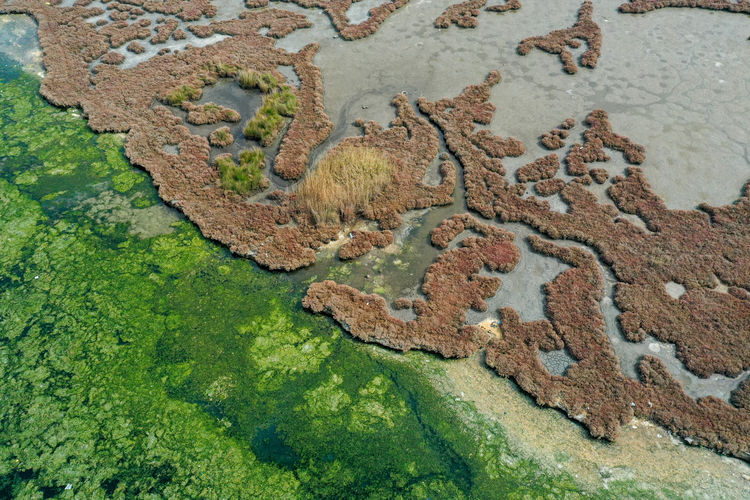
column 695, row 248
column 452, row 285
column 336, row 10
column 465, row 14
column 558, row 41
column 642, row 6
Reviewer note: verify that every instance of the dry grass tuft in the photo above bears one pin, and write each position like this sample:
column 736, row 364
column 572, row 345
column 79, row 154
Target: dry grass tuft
column 344, row 182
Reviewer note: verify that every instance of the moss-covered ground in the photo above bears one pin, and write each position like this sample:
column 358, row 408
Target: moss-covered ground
column 163, row 367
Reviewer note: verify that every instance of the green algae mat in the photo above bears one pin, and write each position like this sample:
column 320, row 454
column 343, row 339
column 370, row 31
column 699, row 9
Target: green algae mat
column 140, row 360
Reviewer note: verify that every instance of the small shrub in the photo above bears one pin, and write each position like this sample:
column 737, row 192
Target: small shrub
column 246, row 176
column 181, row 94
column 221, row 137
column 264, row 125
column 345, row 181
column 249, row 79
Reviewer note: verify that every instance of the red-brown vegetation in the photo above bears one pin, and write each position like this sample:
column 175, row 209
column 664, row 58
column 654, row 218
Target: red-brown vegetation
column 187, row 10
column 555, row 138
column 121, row 32
column 597, row 136
column 480, row 153
column 336, row 10
column 113, row 58
column 710, row 328
column 504, row 7
column 641, row 6
column 549, row 187
column 164, row 31
column 361, row 242
column 464, row 14
column 741, row 395
column 221, row 137
column 451, row 286
column 593, row 390
column 558, row 41
column 136, row 48
column 209, row 113
column 544, row 168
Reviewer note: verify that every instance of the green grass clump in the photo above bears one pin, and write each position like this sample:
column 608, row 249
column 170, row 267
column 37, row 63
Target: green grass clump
column 268, row 121
column 181, row 94
column 254, row 158
column 284, row 101
column 264, row 125
column 246, row 176
column 253, row 79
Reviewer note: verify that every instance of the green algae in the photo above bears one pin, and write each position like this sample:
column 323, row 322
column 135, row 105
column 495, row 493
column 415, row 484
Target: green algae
column 163, row 367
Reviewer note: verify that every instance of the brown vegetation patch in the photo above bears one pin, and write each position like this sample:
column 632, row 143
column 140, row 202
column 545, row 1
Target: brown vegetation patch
column 465, row 14
column 641, row 6
column 549, row 187
column 504, row 7
column 593, row 390
column 482, row 164
column 187, row 10
column 741, row 395
column 164, row 31
column 221, row 138
column 544, row 168
column 558, row 41
column 209, row 113
column 710, row 329
column 555, row 138
column 336, row 10
column 361, row 242
column 462, row 14
column 113, row 58
column 597, row 136
column 136, row 48
column 451, row 286
column 121, row 32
